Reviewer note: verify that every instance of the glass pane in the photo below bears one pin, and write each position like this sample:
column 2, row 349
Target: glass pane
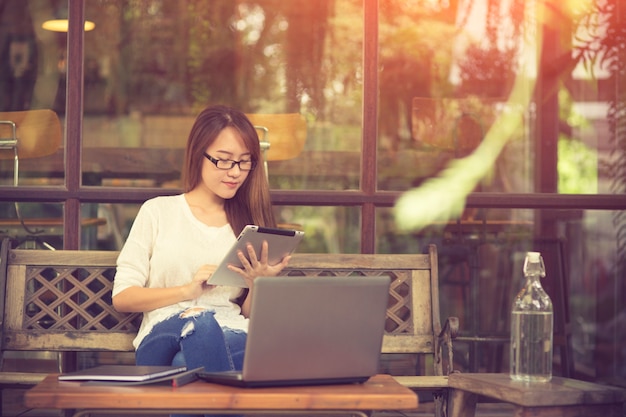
column 327, row 229
column 99, row 230
column 151, row 66
column 32, row 95
column 461, row 78
column 113, row 223
column 32, row 225
column 481, row 260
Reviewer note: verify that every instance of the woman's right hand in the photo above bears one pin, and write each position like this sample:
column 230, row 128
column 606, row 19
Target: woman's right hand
column 142, row 299
column 199, row 282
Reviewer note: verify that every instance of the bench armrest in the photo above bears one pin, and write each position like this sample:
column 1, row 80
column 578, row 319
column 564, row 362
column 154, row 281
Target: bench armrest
column 449, row 331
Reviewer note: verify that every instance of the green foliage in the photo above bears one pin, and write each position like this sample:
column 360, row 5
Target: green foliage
column 577, row 167
column 577, row 164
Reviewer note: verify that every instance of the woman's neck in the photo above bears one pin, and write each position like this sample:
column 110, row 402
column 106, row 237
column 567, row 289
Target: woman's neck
column 209, row 210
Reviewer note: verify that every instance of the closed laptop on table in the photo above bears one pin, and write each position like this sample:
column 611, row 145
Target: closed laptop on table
column 312, row 330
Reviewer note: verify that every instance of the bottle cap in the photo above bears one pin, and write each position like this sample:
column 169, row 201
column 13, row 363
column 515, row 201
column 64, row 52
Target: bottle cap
column 533, row 256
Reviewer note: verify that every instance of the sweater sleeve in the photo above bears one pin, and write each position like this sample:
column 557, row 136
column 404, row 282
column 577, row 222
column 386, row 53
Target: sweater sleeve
column 133, row 262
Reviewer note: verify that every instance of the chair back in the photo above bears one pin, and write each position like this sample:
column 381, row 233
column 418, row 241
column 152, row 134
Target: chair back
column 38, row 133
column 28, row 134
column 285, row 133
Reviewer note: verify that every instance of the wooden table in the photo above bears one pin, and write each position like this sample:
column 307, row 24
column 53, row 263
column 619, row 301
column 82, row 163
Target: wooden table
column 562, row 397
column 380, row 392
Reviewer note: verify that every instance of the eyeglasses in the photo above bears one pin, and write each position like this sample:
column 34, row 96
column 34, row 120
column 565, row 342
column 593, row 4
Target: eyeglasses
column 227, row 164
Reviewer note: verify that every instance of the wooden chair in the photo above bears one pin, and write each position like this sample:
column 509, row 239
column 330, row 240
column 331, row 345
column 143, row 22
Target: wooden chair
column 28, row 134
column 282, row 135
column 24, row 135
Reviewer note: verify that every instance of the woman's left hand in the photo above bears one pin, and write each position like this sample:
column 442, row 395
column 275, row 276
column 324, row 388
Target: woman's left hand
column 255, row 266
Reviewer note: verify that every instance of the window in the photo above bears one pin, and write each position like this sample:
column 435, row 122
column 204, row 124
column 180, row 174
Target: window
column 394, row 95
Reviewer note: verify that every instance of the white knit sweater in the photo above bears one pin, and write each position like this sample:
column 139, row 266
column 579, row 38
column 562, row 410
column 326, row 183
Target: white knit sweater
column 165, row 248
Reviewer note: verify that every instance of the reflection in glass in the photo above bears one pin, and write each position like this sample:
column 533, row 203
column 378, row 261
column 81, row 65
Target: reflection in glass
column 114, row 223
column 480, row 269
column 32, row 225
column 327, row 229
column 32, row 88
column 151, row 66
column 449, row 71
column 442, row 87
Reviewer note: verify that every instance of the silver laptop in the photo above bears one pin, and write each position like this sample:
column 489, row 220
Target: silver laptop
column 311, row 331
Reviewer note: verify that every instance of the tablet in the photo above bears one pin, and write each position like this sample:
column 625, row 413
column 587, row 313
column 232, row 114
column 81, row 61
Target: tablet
column 281, row 242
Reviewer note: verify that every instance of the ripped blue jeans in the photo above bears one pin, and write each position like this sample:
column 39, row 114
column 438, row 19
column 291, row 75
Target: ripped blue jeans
column 193, row 340
column 200, row 339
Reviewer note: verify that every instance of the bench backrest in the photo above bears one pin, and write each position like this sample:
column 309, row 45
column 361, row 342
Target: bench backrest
column 61, row 300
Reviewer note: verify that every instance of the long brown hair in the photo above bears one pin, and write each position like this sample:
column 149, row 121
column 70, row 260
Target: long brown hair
column 251, row 204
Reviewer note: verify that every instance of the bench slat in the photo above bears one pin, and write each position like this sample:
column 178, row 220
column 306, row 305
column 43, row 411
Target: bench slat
column 423, row 381
column 62, row 257
column 41, row 340
column 21, row 378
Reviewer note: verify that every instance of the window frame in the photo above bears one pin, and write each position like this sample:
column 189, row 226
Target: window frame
column 368, row 198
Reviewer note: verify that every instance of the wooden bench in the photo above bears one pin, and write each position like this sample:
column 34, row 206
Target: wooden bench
column 60, row 301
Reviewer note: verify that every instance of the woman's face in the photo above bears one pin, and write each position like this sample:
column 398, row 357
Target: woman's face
column 224, row 183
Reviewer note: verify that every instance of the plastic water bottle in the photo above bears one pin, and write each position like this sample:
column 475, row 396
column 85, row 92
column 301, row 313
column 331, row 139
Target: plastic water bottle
column 531, row 326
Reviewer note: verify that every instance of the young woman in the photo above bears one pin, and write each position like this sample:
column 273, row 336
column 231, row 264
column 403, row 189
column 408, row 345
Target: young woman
column 176, row 242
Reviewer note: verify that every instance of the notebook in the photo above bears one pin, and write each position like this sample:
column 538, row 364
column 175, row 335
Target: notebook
column 128, row 373
column 176, row 380
column 280, row 243
column 311, row 331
